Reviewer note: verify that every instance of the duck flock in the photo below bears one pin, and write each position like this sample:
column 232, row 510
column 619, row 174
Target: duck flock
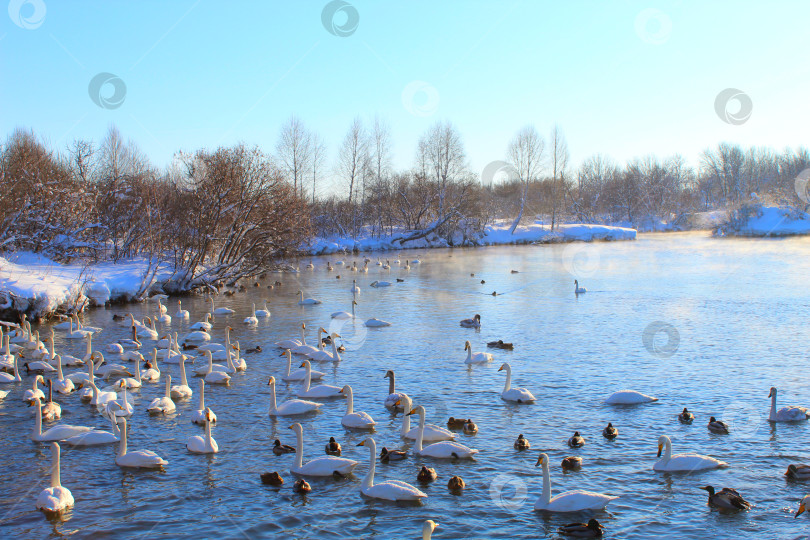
column 148, row 353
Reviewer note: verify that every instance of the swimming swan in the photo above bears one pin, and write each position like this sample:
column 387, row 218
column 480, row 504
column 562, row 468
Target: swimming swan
column 570, row 501
column 390, row 490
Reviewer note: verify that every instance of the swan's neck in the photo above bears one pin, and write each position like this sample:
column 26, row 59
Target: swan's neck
column 183, row 380
column 546, row 497
column 772, row 416
column 303, row 335
column 289, row 362
column 299, row 448
column 59, row 369
column 391, row 384
column 227, row 339
column 469, row 353
column 202, row 396
column 38, row 421
column 406, row 423
column 138, row 369
column 168, row 387
column 349, row 401
column 56, row 480
column 308, row 377
column 335, row 354
column 210, row 361
column 95, row 392
column 421, row 434
column 368, row 481
column 508, row 384
column 667, row 451
column 122, row 447
column 272, row 398
column 208, row 434
column 88, row 349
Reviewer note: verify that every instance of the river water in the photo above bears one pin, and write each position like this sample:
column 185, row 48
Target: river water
column 709, row 324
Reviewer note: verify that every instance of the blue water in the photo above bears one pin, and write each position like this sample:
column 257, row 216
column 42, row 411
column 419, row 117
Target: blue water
column 736, row 311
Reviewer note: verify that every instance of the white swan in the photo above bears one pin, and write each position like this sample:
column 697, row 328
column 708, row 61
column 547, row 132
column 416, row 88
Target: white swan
column 163, row 405
column 320, row 391
column 306, row 301
column 6, row 378
column 570, row 501
column 132, row 343
column 299, row 374
column 211, row 376
column 431, row 432
column 124, row 401
column 97, row 437
column 221, row 310
column 322, row 466
column 394, row 398
column 390, row 490
column 151, row 374
column 380, row 284
column 355, row 288
column 34, row 393
column 203, row 444
column 56, row 498
column 163, row 318
column 376, row 323
column 344, row 314
column 518, row 395
column 181, row 313
column 204, row 324
column 252, row 320
column 429, row 525
column 578, row 289
column 98, row 397
column 358, row 420
column 682, row 462
column 441, row 449
column 138, row 459
column 198, row 416
column 182, row 390
column 476, row 358
column 56, row 433
column 785, row 414
column 323, row 356
column 262, row 313
column 305, row 349
column 77, row 333
column 290, row 407
column 148, row 329
column 629, row 397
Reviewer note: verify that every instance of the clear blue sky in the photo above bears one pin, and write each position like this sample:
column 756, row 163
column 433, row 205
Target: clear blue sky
column 204, row 73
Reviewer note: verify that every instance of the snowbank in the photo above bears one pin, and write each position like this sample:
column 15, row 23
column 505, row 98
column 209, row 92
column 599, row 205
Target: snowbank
column 760, row 221
column 496, row 234
column 38, row 286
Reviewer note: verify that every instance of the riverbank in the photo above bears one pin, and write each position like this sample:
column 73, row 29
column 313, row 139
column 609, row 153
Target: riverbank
column 765, row 221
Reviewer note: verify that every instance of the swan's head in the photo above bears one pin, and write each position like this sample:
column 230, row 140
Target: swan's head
column 368, row 441
column 346, row 390
column 802, row 505
column 417, row 410
column 335, row 335
column 303, row 326
column 467, row 346
column 272, row 381
column 304, row 364
column 505, row 366
column 388, row 374
column 542, row 459
column 40, row 379
column 429, row 526
column 209, row 416
column 663, row 440
column 297, row 428
column 208, row 354
column 772, row 393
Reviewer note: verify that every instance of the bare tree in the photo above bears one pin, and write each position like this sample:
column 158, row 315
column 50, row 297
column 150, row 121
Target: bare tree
column 318, row 156
column 353, row 162
column 441, row 152
column 294, row 152
column 525, row 155
column 559, row 162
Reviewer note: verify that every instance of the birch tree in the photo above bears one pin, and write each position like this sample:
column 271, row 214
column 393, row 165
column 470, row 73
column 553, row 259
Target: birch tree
column 525, row 155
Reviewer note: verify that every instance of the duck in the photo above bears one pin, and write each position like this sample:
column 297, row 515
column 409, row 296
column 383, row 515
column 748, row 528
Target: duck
column 352, row 419
column 571, row 463
column 333, row 447
column 798, row 471
column 58, row 432
column 569, row 501
column 786, row 414
column 521, row 443
column 474, row 322
column 629, row 397
column 281, row 449
column 322, row 466
column 56, row 498
column 182, row 390
column 387, row 455
column 220, row 310
column 320, row 391
column 717, row 426
column 456, row 423
column 476, row 358
column 164, row 404
column 469, row 427
column 610, row 432
column 441, row 449
column 301, row 486
column 272, row 479
column 136, row 459
column 394, row 398
column 290, row 407
column 517, row 395
column 686, row 417
column 683, row 462
column 426, row 474
column 578, row 289
column 306, row 301
column 592, row 529
column 253, row 350
column 432, row 432
column 456, row 484
column 576, row 441
column 198, row 416
column 299, row 374
column 203, row 444
column 390, row 490
column 726, row 498
column 500, row 345
column 251, row 320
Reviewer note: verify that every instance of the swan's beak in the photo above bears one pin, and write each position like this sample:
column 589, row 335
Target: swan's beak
column 799, row 511
column 271, row 381
column 660, row 447
column 303, row 364
column 283, row 354
column 340, row 392
column 397, row 403
column 500, row 368
column 539, row 461
column 413, row 411
column 361, row 443
column 770, row 393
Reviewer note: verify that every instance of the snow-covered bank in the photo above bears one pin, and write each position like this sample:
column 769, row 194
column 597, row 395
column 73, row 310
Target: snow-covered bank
column 33, row 284
column 496, row 234
column 761, row 221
